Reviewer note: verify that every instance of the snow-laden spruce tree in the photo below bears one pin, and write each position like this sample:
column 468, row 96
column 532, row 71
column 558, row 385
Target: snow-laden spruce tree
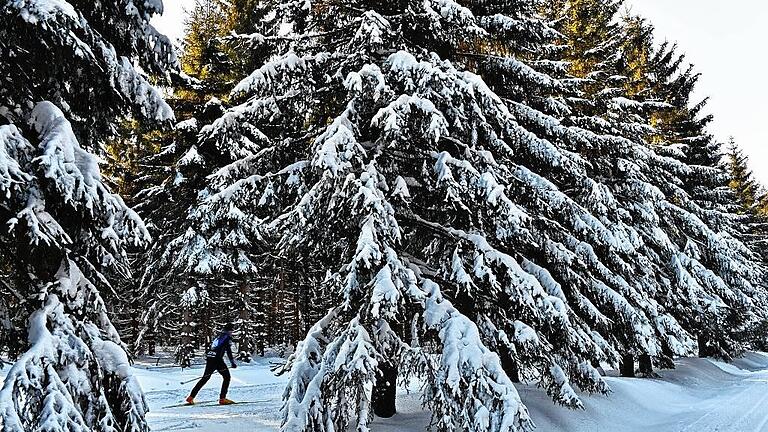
column 176, row 268
column 65, row 227
column 67, row 75
column 692, row 266
column 362, row 150
column 168, row 188
column 168, row 202
column 604, row 263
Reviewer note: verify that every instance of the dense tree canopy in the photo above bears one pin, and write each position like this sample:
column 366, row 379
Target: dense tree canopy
column 466, row 192
column 525, row 180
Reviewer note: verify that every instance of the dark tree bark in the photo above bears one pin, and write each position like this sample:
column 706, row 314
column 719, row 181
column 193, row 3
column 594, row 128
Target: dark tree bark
column 667, row 358
column 186, row 339
column 245, row 344
column 705, row 350
column 645, row 365
column 509, row 364
column 627, row 366
column 384, row 392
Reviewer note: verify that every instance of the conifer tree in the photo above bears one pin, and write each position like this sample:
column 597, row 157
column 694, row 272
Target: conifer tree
column 169, row 204
column 329, row 195
column 68, row 76
column 204, row 24
column 623, row 106
column 609, row 237
column 168, row 201
column 172, row 179
column 742, row 180
column 101, row 41
column 752, row 199
column 680, row 128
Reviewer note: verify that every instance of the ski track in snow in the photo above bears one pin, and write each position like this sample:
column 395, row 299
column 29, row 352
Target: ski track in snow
column 699, row 396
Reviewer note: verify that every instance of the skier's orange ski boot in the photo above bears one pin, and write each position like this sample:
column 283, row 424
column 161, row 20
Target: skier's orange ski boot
column 225, row 401
column 190, row 400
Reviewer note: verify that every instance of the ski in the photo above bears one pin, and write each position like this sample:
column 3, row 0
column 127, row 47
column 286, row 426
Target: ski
column 213, row 403
column 186, row 404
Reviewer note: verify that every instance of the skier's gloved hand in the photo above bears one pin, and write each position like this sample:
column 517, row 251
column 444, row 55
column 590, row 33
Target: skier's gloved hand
column 234, row 366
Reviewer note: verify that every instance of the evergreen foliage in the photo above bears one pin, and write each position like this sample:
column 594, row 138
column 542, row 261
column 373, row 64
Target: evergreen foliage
column 465, row 193
column 470, row 193
column 748, row 191
column 751, row 200
column 204, row 24
column 265, row 307
column 68, row 78
column 43, row 43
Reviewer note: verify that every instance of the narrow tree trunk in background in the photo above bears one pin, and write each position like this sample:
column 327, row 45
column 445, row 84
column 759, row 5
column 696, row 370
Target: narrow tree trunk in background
column 186, row 339
column 667, row 358
column 246, row 341
column 645, row 364
column 135, row 329
column 627, row 367
column 384, row 392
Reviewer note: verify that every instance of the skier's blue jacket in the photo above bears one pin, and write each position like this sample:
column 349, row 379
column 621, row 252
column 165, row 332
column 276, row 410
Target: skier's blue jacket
column 220, row 345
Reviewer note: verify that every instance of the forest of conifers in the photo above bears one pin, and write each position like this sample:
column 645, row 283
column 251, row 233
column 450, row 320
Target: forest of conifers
column 473, row 193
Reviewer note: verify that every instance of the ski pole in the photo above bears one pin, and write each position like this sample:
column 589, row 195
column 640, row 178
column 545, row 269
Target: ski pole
column 199, row 378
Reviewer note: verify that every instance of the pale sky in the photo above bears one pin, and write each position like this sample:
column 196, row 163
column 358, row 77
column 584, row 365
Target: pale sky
column 172, row 21
column 724, row 39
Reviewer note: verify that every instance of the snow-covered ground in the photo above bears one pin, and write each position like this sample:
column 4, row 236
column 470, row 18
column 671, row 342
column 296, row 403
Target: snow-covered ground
column 699, row 396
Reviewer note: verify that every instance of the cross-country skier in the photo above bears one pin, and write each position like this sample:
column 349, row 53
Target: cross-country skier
column 214, row 362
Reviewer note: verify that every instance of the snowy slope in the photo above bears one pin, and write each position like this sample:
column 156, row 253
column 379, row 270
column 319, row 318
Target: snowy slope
column 252, row 382
column 699, row 396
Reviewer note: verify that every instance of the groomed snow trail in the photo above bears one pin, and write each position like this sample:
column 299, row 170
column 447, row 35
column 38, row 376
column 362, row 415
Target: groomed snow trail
column 699, row 396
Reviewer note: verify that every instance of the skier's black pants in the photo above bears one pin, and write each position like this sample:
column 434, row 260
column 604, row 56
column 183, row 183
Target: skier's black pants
column 213, row 365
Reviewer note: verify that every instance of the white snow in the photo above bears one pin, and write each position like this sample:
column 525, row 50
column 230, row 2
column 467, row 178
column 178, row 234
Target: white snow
column 34, row 11
column 699, row 396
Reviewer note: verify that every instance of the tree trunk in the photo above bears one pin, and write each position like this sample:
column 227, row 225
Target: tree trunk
column 627, row 366
column 509, row 364
column 667, row 358
column 704, row 349
column 645, row 365
column 245, row 344
column 186, row 339
column 384, row 392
